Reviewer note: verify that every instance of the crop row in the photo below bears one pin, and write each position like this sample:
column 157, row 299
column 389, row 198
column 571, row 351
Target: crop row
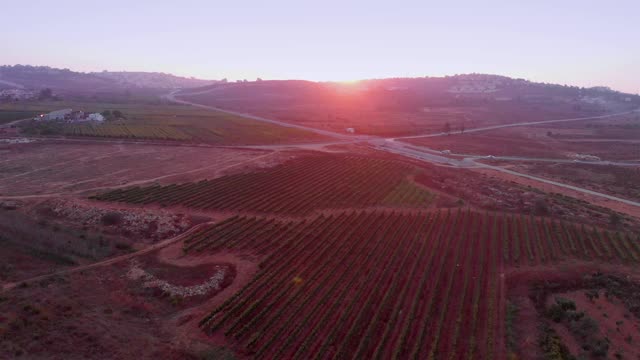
column 296, row 187
column 149, row 132
column 384, row 284
column 531, row 240
column 357, row 285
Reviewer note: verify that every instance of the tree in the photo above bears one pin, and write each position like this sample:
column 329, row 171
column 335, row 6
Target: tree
column 117, row 114
column 45, row 94
column 541, row 208
column 615, row 219
column 106, row 113
column 461, row 128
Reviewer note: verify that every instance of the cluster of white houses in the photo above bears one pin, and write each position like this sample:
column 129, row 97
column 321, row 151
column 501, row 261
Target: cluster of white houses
column 72, row 116
column 18, row 94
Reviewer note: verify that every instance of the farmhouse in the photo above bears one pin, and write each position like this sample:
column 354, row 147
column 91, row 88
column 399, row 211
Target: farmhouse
column 95, row 117
column 58, row 114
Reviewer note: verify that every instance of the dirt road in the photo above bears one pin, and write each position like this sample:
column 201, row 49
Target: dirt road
column 162, row 244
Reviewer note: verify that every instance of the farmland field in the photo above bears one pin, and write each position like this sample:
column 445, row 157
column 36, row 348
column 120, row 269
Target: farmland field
column 187, row 233
column 12, row 115
column 623, row 181
column 162, row 121
column 151, row 132
column 296, row 187
column 70, row 168
column 614, row 139
column 386, row 284
column 373, row 109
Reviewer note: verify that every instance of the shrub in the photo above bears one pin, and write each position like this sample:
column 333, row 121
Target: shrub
column 123, row 246
column 584, row 328
column 111, row 218
column 541, row 208
column 553, row 346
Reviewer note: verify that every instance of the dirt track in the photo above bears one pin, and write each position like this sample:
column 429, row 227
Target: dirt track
column 9, row 286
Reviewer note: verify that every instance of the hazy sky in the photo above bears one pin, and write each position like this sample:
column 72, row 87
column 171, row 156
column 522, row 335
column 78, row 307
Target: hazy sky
column 581, row 43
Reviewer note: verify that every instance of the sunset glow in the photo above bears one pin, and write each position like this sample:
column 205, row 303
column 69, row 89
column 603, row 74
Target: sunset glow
column 580, row 42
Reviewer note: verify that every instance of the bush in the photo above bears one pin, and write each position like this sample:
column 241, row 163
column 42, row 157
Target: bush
column 592, row 294
column 111, row 218
column 553, row 346
column 123, row 246
column 615, row 219
column 566, row 304
column 541, row 208
column 584, row 328
column 563, row 309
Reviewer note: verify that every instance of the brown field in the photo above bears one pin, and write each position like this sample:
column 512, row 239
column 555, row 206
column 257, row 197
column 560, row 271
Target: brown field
column 621, row 181
column 71, row 167
column 378, row 112
column 564, row 142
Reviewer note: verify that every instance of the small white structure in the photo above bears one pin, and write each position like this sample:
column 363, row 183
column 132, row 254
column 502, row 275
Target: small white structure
column 586, row 157
column 446, row 152
column 58, row 114
column 350, row 130
column 95, row 117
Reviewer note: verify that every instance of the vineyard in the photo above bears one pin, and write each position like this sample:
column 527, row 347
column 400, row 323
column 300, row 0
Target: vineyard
column 384, row 284
column 296, row 187
column 147, row 132
column 529, row 240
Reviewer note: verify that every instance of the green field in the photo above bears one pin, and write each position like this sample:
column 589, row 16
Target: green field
column 7, row 116
column 167, row 121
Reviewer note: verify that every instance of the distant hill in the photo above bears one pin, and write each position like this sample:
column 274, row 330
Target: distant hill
column 153, row 79
column 65, row 80
column 396, row 93
column 39, row 77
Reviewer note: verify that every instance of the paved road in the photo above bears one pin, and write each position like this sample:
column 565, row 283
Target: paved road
column 414, row 152
column 420, row 153
column 527, row 123
column 551, row 160
column 9, row 286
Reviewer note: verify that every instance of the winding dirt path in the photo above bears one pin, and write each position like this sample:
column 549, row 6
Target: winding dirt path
column 115, row 260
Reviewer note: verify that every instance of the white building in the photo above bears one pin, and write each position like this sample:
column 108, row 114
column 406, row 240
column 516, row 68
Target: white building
column 58, row 114
column 351, row 130
column 95, row 117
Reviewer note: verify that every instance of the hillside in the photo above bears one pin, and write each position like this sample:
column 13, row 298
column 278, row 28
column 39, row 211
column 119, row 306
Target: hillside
column 65, row 80
column 404, row 106
column 152, row 79
column 39, row 77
